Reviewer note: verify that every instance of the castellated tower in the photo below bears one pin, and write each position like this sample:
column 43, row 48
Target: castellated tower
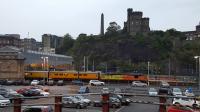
column 136, row 23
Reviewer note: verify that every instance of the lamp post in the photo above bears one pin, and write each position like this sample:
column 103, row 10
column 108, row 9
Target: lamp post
column 198, row 57
column 45, row 65
column 148, row 71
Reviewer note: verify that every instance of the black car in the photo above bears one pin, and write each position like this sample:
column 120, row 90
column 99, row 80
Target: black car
column 31, row 92
column 83, row 89
column 3, row 82
column 18, row 82
column 42, row 82
column 60, row 83
column 26, row 82
column 38, row 109
column 123, row 100
column 113, row 102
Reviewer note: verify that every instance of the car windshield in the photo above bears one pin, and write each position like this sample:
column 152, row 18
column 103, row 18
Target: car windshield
column 152, row 90
column 80, row 97
column 176, row 90
column 1, row 97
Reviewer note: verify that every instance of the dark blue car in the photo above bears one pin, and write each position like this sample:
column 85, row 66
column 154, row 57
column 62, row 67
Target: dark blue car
column 83, row 89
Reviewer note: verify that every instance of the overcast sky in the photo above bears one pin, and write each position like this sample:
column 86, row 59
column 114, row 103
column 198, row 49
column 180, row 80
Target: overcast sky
column 83, row 16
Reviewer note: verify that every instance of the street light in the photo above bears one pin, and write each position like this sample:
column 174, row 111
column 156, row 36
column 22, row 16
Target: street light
column 148, row 71
column 45, row 65
column 198, row 57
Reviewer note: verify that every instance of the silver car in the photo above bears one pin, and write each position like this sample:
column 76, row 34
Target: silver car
column 139, row 84
column 73, row 102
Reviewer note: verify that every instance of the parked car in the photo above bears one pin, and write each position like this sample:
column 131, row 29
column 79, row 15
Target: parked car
column 167, row 90
column 176, row 92
column 164, row 84
column 11, row 96
column 139, row 84
column 22, row 90
column 60, row 83
column 10, row 82
column 42, row 82
column 189, row 92
column 3, row 91
column 117, row 90
column 123, row 100
column 4, row 101
column 87, row 101
column 186, row 102
column 153, row 92
column 18, row 82
column 50, row 82
column 78, row 82
column 73, row 102
column 46, row 89
column 96, row 83
column 34, row 82
column 3, row 82
column 105, row 90
column 26, row 82
column 31, row 92
column 179, row 109
column 113, row 102
column 43, row 93
column 38, row 109
column 83, row 89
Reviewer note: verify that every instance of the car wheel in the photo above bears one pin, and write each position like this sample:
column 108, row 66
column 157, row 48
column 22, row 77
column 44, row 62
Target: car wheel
column 176, row 103
column 78, row 107
column 92, row 84
column 94, row 105
column 114, row 106
column 194, row 105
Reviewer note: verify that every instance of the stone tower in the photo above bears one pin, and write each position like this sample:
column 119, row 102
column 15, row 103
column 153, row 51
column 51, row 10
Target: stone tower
column 198, row 27
column 136, row 23
column 102, row 25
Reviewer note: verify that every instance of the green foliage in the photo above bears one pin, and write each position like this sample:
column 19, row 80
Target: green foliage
column 68, row 43
column 125, row 53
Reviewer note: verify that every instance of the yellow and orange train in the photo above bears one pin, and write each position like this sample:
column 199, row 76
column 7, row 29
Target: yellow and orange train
column 73, row 75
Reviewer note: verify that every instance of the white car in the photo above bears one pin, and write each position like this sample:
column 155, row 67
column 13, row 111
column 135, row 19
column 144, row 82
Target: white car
column 186, row 102
column 4, row 101
column 34, row 82
column 139, row 84
column 43, row 93
column 176, row 92
column 152, row 92
column 96, row 83
column 79, row 97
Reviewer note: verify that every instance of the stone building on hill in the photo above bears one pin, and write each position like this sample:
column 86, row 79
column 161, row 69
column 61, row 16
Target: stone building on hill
column 136, row 23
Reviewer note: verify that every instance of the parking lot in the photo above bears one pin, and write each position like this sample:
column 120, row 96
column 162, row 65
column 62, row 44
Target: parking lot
column 72, row 89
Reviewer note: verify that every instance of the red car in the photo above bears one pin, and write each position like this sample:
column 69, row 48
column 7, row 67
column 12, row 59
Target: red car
column 20, row 91
column 179, row 109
